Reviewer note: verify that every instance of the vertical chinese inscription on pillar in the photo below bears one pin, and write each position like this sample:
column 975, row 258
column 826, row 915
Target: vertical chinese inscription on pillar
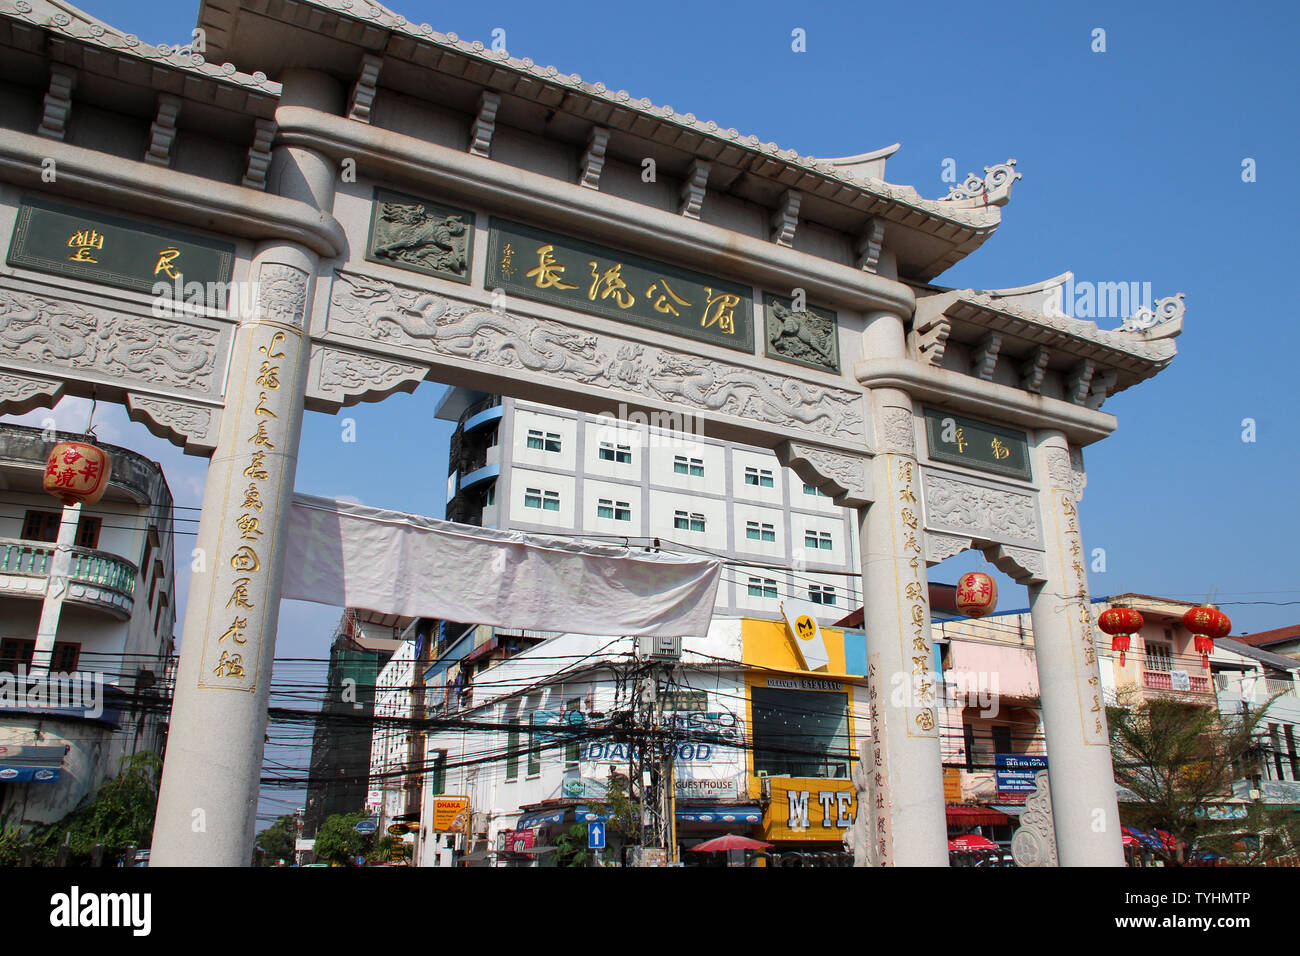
column 882, row 833
column 240, row 606
column 1070, row 544
column 913, row 595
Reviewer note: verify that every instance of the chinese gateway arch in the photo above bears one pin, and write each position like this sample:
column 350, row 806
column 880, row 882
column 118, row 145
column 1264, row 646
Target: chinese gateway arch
column 342, row 204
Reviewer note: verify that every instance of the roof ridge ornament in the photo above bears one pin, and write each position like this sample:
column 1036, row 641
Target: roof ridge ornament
column 994, row 189
column 1166, row 318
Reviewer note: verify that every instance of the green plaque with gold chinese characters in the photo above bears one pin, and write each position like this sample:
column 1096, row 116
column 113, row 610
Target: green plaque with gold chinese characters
column 81, row 244
column 964, row 441
column 549, row 267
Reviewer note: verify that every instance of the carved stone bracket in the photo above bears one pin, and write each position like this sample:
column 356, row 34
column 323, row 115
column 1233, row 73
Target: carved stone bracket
column 694, row 188
column 192, row 426
column 1103, row 383
column 941, row 547
column 868, row 247
column 380, row 315
column 593, row 159
column 844, row 477
column 1079, row 381
column 786, row 219
column 1033, row 369
column 982, row 510
column 1023, row 565
column 1034, row 843
column 485, row 124
column 163, row 131
column 342, row 377
column 364, row 90
column 897, row 431
column 259, row 154
column 20, row 394
column 58, row 102
column 984, row 358
column 930, row 340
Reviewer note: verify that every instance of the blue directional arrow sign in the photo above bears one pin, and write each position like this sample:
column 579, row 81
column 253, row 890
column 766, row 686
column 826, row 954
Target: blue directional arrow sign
column 595, row 836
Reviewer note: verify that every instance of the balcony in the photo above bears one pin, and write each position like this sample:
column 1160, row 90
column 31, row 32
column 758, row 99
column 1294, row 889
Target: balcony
column 96, row 578
column 1154, row 678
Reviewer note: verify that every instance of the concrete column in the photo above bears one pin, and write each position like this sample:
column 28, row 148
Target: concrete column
column 207, row 804
column 1084, row 808
column 906, row 775
column 56, row 588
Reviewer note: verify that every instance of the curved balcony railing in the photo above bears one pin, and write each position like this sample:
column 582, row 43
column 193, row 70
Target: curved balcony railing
column 95, row 577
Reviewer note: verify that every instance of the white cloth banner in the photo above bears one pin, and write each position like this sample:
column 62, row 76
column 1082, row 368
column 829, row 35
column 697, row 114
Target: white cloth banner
column 351, row 555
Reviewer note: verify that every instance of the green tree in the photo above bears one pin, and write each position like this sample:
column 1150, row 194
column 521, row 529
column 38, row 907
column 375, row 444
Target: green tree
column 277, row 841
column 571, row 846
column 1179, row 758
column 121, row 812
column 621, row 813
column 11, row 841
column 338, row 842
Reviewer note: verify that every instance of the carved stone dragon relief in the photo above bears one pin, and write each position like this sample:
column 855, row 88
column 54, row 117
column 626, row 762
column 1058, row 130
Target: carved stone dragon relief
column 1066, row 470
column 374, row 310
column 984, row 513
column 48, row 334
column 844, row 477
column 898, row 431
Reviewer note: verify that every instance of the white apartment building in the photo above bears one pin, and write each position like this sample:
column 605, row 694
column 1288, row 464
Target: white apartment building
column 116, row 625
column 529, row 467
column 1246, row 678
column 391, row 740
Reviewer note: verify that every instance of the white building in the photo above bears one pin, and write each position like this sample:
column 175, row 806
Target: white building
column 579, row 681
column 528, row 467
column 1246, row 678
column 115, row 628
column 391, row 741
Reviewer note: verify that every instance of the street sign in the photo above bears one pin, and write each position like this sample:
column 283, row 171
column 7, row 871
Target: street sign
column 595, row 836
column 367, row 826
column 361, row 861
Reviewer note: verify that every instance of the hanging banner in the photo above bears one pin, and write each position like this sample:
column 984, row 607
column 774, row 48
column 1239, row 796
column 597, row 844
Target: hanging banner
column 351, row 555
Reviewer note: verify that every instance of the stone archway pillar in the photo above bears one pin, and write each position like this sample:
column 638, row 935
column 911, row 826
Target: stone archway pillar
column 906, row 776
column 1084, row 806
column 207, row 807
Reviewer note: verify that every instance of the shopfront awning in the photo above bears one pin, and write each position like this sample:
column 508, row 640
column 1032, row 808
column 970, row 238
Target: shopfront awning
column 31, row 764
column 977, row 817
column 751, row 815
column 537, row 818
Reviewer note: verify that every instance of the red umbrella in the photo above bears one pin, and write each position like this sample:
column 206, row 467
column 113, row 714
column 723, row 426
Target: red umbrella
column 971, row 841
column 729, row 842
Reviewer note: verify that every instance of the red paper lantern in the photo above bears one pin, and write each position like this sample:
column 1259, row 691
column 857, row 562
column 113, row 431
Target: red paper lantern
column 1209, row 624
column 1119, row 623
column 77, row 472
column 977, row 594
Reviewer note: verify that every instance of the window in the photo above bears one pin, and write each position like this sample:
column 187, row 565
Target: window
column 491, row 438
column 1002, row 740
column 620, row 454
column 759, row 531
column 817, row 539
column 490, row 496
column 549, row 441
column 688, row 522
column 803, row 733
column 15, row 653
column 618, row 510
column 821, row 594
column 688, row 466
column 534, row 749
column 545, row 500
column 814, row 491
column 1159, row 657
column 44, row 526
column 762, row 587
column 512, row 745
column 759, row 477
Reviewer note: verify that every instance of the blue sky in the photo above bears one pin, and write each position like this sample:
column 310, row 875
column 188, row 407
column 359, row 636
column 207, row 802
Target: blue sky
column 1132, row 163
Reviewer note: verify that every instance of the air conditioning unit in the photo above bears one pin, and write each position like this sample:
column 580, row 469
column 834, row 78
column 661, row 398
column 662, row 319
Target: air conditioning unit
column 765, row 783
column 661, row 648
column 479, row 823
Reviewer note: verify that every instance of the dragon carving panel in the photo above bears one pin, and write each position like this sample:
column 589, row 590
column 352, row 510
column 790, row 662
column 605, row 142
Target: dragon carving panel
column 376, row 311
